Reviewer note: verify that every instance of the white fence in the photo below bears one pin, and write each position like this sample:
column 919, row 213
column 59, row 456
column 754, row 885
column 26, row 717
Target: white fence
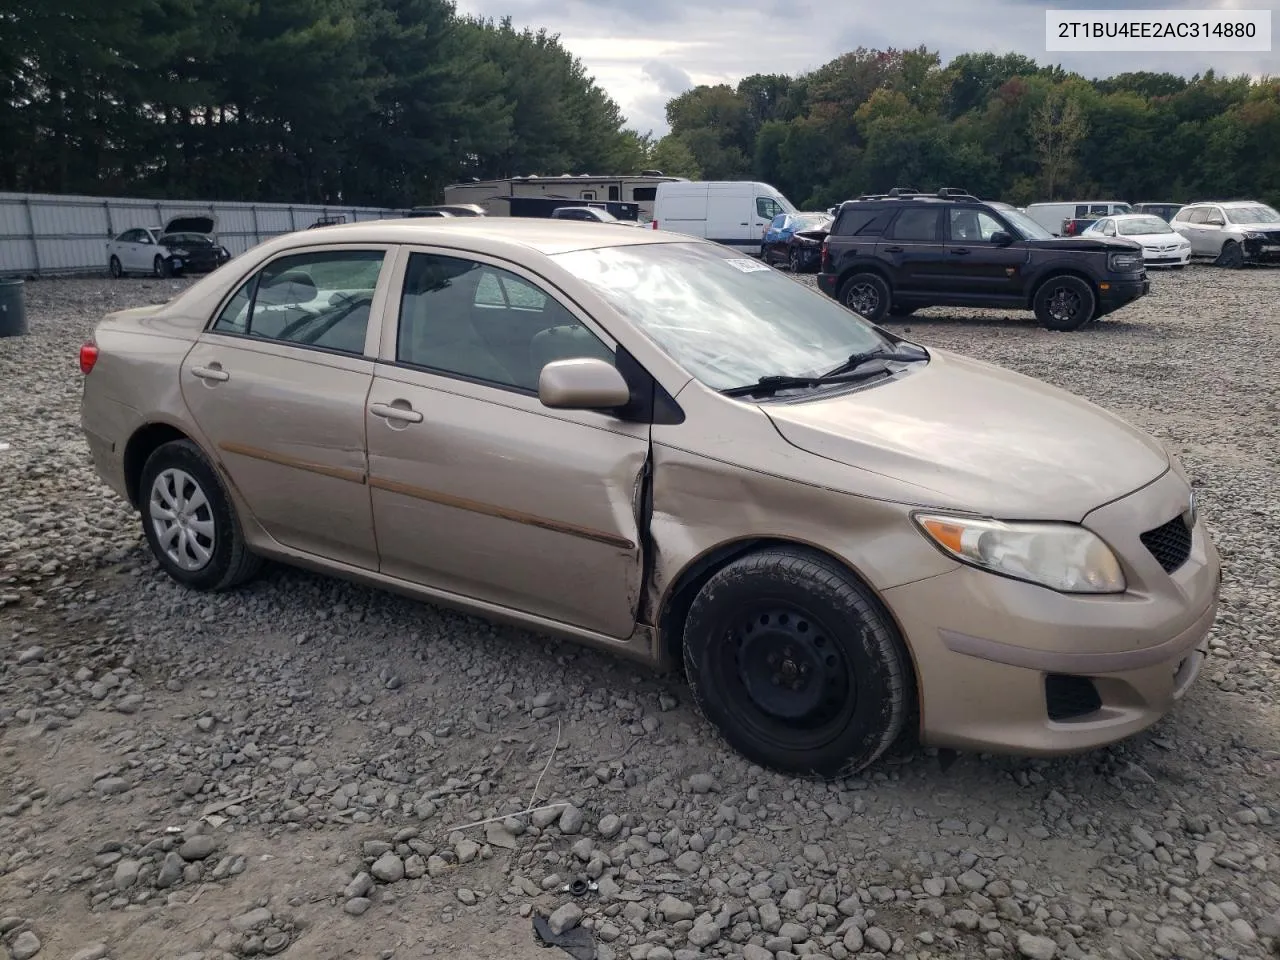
column 43, row 234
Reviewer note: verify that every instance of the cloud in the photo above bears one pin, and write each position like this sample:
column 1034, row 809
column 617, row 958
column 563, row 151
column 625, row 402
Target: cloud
column 644, row 54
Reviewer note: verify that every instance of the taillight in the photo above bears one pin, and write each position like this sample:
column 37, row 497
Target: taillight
column 826, row 257
column 88, row 357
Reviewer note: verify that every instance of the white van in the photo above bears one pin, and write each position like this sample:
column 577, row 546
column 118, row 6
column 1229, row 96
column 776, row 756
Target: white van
column 733, row 212
column 1053, row 216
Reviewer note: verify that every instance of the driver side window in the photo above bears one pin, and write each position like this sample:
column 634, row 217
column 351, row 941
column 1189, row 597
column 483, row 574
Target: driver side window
column 767, row 207
column 973, row 226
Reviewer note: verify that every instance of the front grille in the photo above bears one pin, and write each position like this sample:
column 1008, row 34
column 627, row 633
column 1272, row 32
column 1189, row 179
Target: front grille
column 1169, row 543
column 1068, row 697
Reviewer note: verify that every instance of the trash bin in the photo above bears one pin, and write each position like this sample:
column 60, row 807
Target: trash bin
column 13, row 308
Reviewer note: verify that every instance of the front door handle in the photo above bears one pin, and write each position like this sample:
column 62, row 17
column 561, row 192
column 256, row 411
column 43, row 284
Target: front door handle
column 212, row 372
column 962, row 252
column 893, row 250
column 391, row 412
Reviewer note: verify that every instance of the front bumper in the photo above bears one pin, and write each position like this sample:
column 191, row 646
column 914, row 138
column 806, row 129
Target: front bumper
column 1262, row 251
column 996, row 657
column 1114, row 294
column 1176, row 258
column 200, row 262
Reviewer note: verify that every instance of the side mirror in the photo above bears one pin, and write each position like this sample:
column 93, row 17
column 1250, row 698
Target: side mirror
column 583, row 383
column 1216, row 222
column 1002, row 238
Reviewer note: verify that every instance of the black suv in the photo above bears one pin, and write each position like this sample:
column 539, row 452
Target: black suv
column 894, row 253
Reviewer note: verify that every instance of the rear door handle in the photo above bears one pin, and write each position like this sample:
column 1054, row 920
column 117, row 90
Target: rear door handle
column 389, row 412
column 211, row 372
column 893, row 250
column 962, row 252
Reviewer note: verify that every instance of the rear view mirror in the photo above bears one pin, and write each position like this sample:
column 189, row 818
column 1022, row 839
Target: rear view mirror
column 1001, row 238
column 583, row 383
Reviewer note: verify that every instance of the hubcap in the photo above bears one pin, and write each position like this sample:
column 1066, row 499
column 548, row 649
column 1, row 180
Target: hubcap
column 790, row 669
column 863, row 298
column 182, row 519
column 1064, row 304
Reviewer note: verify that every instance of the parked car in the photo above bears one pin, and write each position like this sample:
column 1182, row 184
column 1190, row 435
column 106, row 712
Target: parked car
column 890, row 254
column 786, row 241
column 735, row 213
column 1164, row 210
column 838, row 532
column 185, row 244
column 1162, row 246
column 592, row 215
column 1234, row 233
column 1070, row 219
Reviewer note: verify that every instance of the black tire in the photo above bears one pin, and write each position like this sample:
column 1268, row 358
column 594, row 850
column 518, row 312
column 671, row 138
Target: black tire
column 1065, row 303
column 868, row 295
column 794, row 261
column 806, row 619
column 1231, row 257
column 897, row 311
column 159, row 267
column 230, row 562
column 115, row 269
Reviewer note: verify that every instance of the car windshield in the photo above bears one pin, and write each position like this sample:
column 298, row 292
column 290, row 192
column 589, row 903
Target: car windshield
column 1143, row 225
column 727, row 319
column 1254, row 213
column 1029, row 229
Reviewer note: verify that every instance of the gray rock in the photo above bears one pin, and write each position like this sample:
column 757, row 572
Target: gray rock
column 25, row 946
column 565, row 917
column 388, row 868
column 795, row 932
column 571, row 820
column 126, row 874
column 170, row 870
column 609, row 826
column 878, row 939
column 112, row 786
column 198, row 847
column 751, row 952
column 972, row 880
column 30, row 655
column 674, row 910
column 702, row 783
column 95, row 951
column 251, row 919
column 934, row 886
column 466, row 897
column 1036, row 948
column 853, row 940
column 704, row 934
column 770, row 918
column 356, row 906
column 689, row 862
column 359, row 886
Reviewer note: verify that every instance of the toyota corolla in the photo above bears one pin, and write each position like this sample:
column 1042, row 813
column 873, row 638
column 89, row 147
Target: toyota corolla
column 651, row 444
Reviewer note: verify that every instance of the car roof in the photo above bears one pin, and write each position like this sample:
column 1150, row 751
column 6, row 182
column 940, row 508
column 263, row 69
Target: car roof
column 544, row 235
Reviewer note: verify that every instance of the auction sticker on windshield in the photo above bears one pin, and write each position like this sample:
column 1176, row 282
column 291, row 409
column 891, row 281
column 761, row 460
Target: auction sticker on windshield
column 746, row 265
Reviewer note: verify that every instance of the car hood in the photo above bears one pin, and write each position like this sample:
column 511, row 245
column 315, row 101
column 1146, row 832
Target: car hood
column 191, row 223
column 1154, row 239
column 1263, row 227
column 1112, row 244
column 982, row 439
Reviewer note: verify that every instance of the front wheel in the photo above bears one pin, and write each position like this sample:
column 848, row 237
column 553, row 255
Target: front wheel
column 1231, row 257
column 1065, row 303
column 796, row 664
column 795, row 261
column 189, row 520
column 115, row 269
column 866, row 294
column 159, row 267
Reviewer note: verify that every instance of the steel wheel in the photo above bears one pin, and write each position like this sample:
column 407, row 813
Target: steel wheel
column 182, row 519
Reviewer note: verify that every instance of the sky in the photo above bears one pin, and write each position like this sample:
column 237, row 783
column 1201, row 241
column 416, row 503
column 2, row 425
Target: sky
column 644, row 52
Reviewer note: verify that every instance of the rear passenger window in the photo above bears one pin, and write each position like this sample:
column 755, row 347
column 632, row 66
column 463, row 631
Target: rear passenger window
column 917, row 223
column 861, row 222
column 311, row 299
column 471, row 320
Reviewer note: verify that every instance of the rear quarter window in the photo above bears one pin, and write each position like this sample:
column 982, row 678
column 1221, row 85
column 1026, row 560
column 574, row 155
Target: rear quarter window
column 861, row 223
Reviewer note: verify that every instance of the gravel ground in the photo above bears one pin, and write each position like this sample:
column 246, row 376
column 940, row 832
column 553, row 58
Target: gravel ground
column 292, row 767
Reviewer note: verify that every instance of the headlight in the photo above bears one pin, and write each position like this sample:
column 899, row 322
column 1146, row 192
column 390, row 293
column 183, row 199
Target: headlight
column 1124, row 262
column 1253, row 235
column 1061, row 556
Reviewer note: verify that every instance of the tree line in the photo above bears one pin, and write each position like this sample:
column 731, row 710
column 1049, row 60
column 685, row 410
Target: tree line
column 1000, row 126
column 387, row 101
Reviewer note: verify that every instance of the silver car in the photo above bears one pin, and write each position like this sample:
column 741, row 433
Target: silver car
column 1233, row 233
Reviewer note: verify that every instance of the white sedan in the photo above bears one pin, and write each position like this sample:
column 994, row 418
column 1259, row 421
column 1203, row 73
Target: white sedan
column 1162, row 246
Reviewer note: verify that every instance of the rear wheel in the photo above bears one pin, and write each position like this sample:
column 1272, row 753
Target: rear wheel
column 1065, row 303
column 189, row 520
column 116, row 270
column 797, row 665
column 866, row 294
column 1231, row 257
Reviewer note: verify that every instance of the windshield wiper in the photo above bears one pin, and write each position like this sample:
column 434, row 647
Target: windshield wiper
column 880, row 353
column 775, row 383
